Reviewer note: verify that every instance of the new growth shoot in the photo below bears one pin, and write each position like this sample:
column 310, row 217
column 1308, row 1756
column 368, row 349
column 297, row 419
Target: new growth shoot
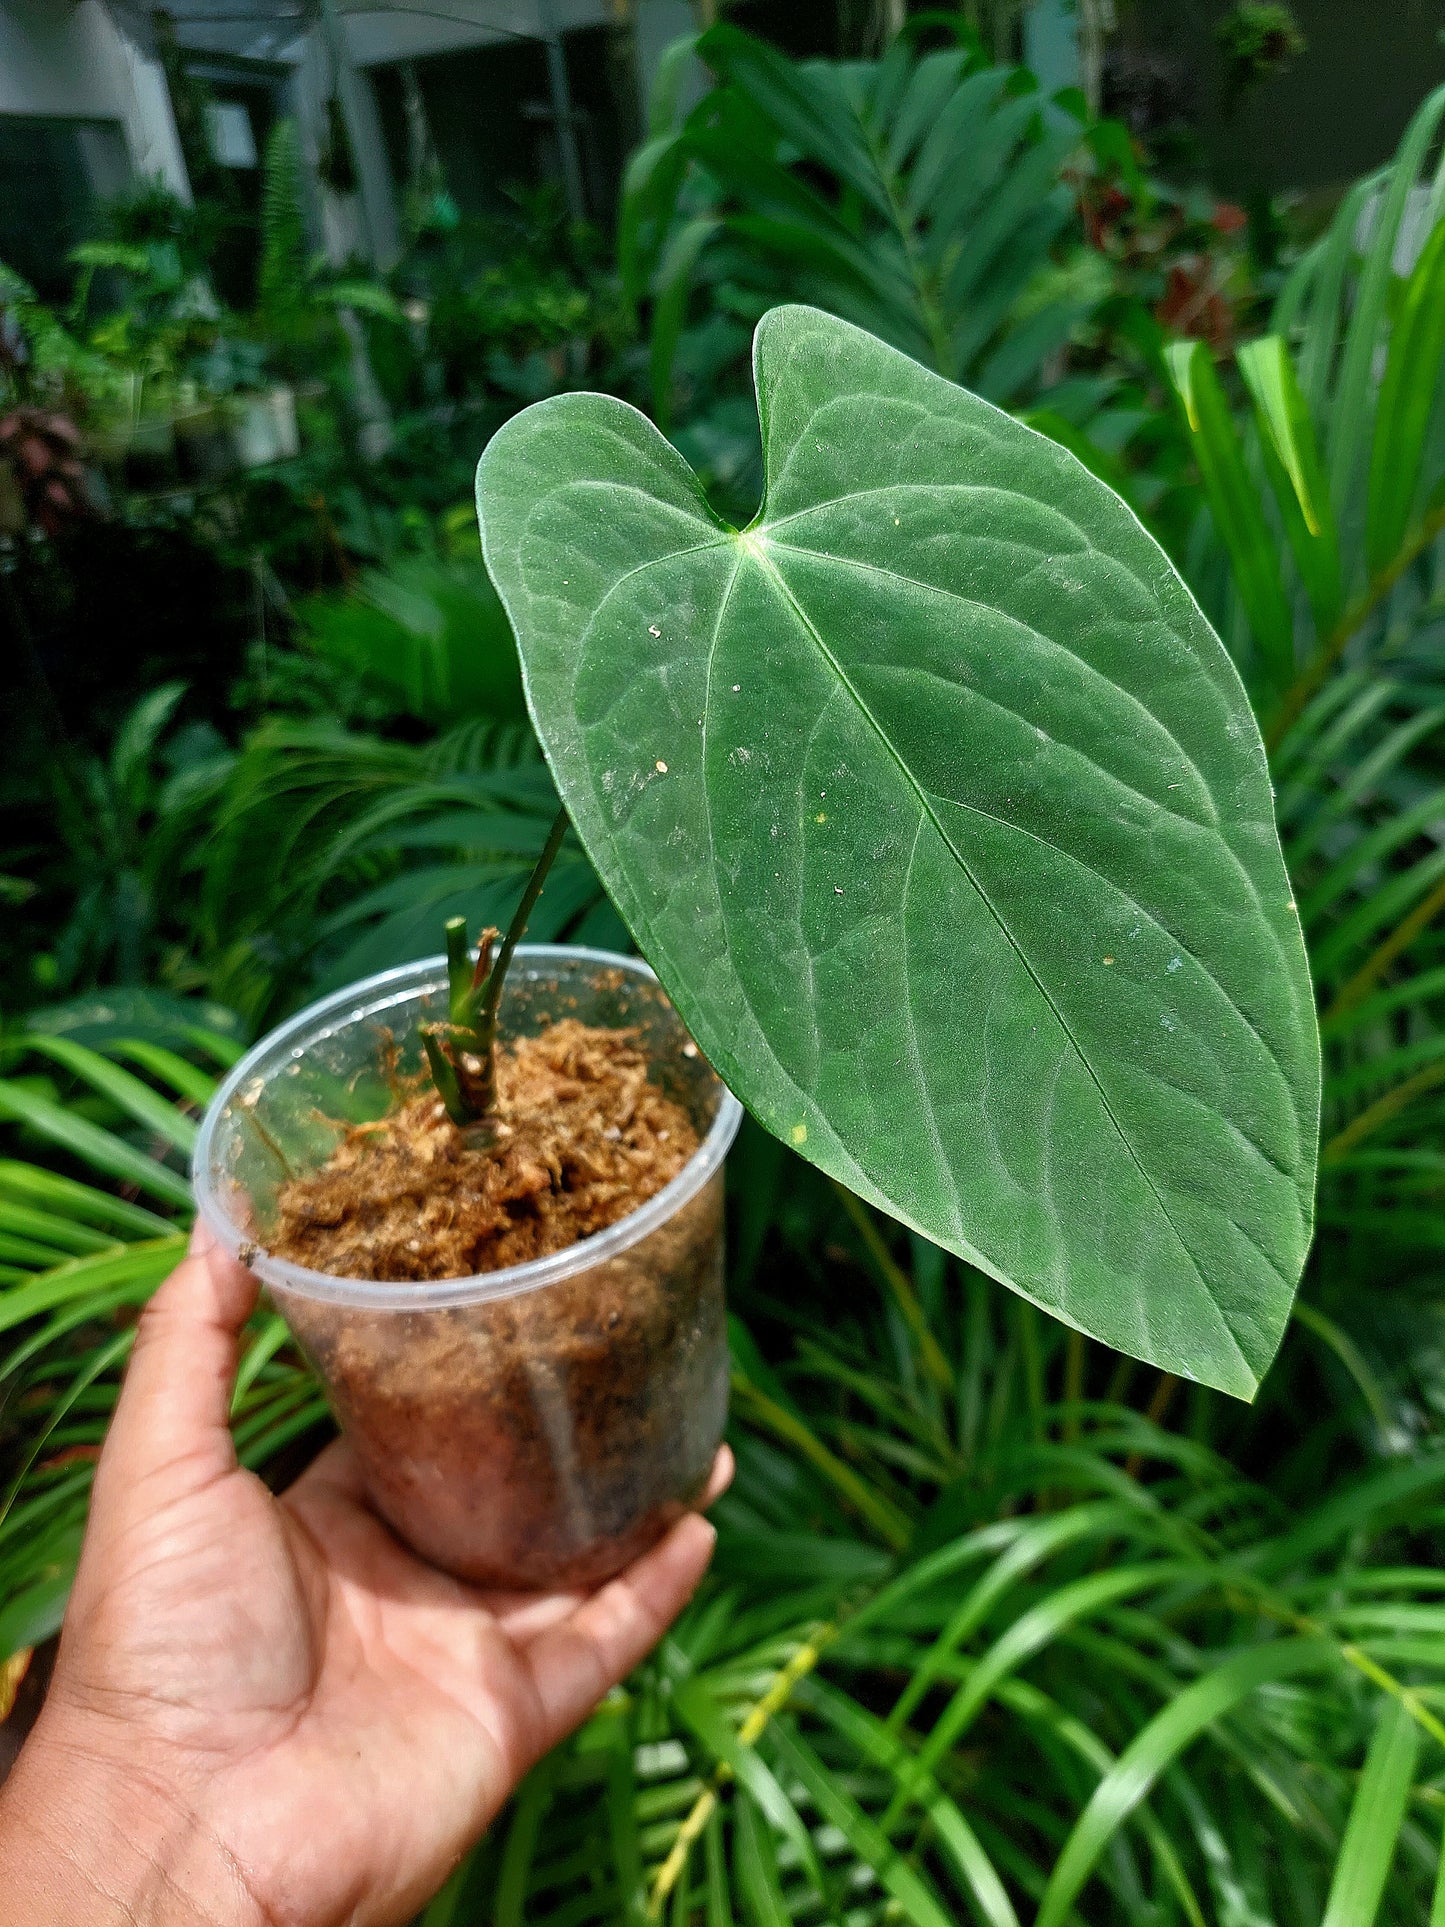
column 462, row 1053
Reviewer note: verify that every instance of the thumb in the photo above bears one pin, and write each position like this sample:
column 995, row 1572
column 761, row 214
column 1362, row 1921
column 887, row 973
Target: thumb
column 172, row 1419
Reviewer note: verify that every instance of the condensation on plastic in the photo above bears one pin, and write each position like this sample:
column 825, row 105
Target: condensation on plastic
column 530, row 1427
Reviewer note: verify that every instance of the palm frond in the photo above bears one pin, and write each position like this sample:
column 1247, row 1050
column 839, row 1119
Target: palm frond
column 920, row 196
column 334, row 854
column 1324, row 494
column 77, row 1264
column 1094, row 1705
column 281, row 278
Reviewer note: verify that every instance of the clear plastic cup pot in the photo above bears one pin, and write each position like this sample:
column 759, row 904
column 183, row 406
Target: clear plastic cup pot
column 532, row 1427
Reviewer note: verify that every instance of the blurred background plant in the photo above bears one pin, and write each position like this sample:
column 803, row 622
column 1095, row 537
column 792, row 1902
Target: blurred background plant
column 1258, row 39
column 1002, row 1627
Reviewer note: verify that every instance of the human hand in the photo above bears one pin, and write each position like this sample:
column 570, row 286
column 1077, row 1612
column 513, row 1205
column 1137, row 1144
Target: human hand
column 269, row 1712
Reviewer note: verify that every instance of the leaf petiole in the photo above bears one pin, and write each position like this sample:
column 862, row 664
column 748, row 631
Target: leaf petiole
column 474, row 998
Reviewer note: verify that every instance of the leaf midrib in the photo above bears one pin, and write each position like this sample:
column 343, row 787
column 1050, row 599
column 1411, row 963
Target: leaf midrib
column 753, row 546
column 765, row 531
column 1023, row 829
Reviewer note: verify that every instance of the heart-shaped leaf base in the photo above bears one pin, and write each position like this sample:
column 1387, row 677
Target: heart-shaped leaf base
column 941, row 813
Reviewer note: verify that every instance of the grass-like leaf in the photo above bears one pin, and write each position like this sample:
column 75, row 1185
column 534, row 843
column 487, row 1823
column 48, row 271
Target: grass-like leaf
column 1376, row 1815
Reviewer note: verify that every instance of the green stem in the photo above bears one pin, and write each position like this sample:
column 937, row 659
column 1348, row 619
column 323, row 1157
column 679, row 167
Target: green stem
column 471, row 1097
column 924, row 283
column 448, row 1084
column 1074, row 1363
column 1381, row 1111
column 516, row 929
column 459, row 969
column 1400, row 939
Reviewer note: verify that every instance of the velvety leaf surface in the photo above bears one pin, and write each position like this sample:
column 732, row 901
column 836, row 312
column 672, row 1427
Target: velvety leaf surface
column 941, row 813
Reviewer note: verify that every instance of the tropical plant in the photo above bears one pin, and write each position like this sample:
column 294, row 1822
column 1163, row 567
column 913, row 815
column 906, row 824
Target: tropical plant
column 1325, row 495
column 42, row 483
column 115, row 816
column 108, row 1091
column 1322, row 555
column 1045, row 999
column 42, row 361
column 921, row 196
column 143, row 336
column 521, row 304
column 297, row 293
column 980, row 1644
column 1160, row 1698
column 332, row 854
column 985, row 1640
column 1257, row 39
column 430, row 635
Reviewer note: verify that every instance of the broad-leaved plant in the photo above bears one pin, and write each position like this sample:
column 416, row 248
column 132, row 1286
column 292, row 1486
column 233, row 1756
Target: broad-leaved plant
column 943, row 816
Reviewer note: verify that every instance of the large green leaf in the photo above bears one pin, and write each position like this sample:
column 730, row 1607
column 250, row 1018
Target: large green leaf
column 941, row 813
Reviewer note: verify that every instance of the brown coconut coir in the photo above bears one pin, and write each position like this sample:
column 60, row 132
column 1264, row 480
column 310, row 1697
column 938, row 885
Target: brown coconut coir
column 581, row 1138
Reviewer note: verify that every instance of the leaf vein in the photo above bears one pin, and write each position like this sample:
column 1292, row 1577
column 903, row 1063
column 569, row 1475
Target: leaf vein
column 770, row 570
column 972, row 602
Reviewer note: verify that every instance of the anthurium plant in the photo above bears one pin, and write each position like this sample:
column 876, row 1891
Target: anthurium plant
column 943, row 817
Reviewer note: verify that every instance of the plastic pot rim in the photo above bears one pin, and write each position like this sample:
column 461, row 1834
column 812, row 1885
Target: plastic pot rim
column 369, row 998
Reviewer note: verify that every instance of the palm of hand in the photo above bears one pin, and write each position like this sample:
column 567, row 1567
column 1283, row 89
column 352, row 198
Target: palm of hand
column 340, row 1718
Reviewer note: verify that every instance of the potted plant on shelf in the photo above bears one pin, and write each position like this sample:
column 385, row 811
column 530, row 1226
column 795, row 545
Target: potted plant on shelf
column 942, row 816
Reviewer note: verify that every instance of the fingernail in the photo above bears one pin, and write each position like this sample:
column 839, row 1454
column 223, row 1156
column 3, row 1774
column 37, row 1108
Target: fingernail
column 696, row 1519
column 203, row 1239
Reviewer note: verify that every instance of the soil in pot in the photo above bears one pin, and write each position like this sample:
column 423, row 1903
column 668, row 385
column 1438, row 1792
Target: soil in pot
column 581, row 1138
column 547, row 1436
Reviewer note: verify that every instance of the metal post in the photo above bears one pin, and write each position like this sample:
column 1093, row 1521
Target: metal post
column 363, row 131
column 378, row 220
column 562, row 118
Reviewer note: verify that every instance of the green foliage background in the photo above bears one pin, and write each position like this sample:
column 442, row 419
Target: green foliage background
column 1002, row 1627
